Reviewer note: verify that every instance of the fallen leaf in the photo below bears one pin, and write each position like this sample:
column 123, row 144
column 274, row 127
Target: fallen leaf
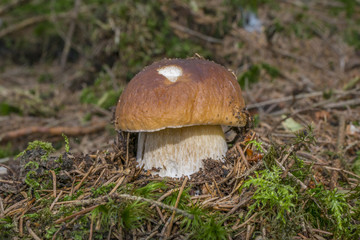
column 291, row 125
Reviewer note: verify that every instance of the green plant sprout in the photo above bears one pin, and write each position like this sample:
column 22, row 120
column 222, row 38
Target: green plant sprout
column 212, row 229
column 67, row 144
column 271, row 195
column 257, row 144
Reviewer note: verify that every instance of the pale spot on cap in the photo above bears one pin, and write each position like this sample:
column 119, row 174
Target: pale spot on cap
column 171, row 72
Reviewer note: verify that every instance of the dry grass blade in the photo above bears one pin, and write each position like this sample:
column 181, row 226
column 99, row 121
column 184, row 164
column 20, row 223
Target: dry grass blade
column 176, row 205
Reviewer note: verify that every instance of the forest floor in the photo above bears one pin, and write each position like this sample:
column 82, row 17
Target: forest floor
column 294, row 174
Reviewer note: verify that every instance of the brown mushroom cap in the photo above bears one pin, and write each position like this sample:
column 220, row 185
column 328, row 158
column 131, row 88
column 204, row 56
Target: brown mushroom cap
column 175, row 93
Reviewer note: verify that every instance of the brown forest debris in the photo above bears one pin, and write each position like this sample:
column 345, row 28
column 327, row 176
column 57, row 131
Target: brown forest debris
column 53, row 131
column 339, row 150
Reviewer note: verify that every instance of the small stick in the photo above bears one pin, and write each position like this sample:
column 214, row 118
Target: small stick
column 8, row 168
column 249, row 231
column 2, row 211
column 244, row 223
column 194, row 33
column 237, row 187
column 291, row 149
column 237, row 206
column 127, row 149
column 86, row 210
column 217, row 187
column 321, row 231
column 23, row 24
column 167, row 194
column 118, row 183
column 343, row 104
column 303, row 186
column 243, row 156
column 55, row 201
column 292, row 162
column 284, row 99
column 209, row 190
column 72, row 187
column 70, row 34
column 9, row 181
column 251, row 170
column 176, row 205
column 160, row 214
column 102, row 199
column 54, row 182
column 339, row 150
column 11, row 6
column 151, row 235
column 15, row 206
column 31, row 232
column 83, row 179
column 100, row 176
column 91, row 229
column 52, row 131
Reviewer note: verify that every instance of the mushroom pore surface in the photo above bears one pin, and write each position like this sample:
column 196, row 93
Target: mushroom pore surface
column 180, row 151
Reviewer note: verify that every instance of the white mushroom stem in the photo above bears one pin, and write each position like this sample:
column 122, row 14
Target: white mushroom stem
column 180, row 151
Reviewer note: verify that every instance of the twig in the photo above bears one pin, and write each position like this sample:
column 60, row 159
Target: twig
column 217, row 187
column 115, row 196
column 237, row 206
column 244, row 223
column 127, row 149
column 284, row 99
column 86, row 210
column 37, row 19
column 118, row 183
column 291, row 149
column 303, row 186
column 31, row 232
column 55, row 201
column 194, row 33
column 2, row 211
column 9, row 181
column 339, row 150
column 343, row 104
column 53, row 131
column 8, row 168
column 321, row 231
column 298, row 58
column 251, row 170
column 54, row 182
column 167, row 194
column 352, row 83
column 91, row 229
column 100, row 176
column 70, row 34
column 176, row 205
column 11, row 6
column 243, row 156
column 23, row 24
column 83, row 179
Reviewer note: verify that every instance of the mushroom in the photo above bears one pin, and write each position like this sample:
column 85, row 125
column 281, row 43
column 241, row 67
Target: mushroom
column 178, row 107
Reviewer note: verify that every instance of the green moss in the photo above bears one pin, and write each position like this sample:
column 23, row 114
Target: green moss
column 253, row 74
column 102, row 190
column 151, row 190
column 7, row 109
column 46, row 146
column 271, row 195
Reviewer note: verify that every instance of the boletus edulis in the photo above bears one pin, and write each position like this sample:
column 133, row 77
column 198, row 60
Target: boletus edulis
column 178, row 107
